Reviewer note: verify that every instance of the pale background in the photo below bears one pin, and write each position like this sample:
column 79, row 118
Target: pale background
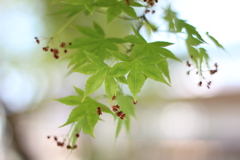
column 182, row 122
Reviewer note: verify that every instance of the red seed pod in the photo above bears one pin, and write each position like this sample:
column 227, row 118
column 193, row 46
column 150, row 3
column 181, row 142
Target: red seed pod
column 56, row 56
column 74, row 147
column 119, row 113
column 68, row 146
column 70, row 43
column 77, row 135
column 144, row 0
column 156, row 1
column 37, row 40
column 99, row 112
column 115, row 108
column 200, row 84
column 122, row 116
column 60, row 144
column 48, row 137
column 188, row 64
column 65, row 51
column 55, row 138
column 63, row 44
column 55, row 51
column 114, row 97
column 209, row 83
column 146, row 11
column 45, row 49
column 213, row 71
column 153, row 11
column 151, row 3
column 134, row 102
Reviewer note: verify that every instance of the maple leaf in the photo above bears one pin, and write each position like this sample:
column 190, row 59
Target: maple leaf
column 85, row 114
column 95, row 41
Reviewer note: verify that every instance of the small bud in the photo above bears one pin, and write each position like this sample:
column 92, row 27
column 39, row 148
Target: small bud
column 114, row 97
column 209, row 83
column 119, row 113
column 68, row 146
column 74, row 147
column 63, row 44
column 122, row 116
column 188, row 64
column 147, row 11
column 213, row 71
column 200, row 84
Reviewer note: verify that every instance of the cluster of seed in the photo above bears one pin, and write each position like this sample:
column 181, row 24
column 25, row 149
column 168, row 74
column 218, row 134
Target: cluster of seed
column 99, row 112
column 151, row 4
column 62, row 143
column 116, row 108
column 120, row 114
column 211, row 72
column 54, row 50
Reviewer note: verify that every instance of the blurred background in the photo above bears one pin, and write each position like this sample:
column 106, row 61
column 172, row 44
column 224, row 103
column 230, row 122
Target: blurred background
column 182, row 122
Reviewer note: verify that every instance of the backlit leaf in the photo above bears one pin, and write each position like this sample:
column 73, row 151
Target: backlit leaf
column 70, row 100
column 88, row 69
column 215, row 41
column 110, row 86
column 94, row 82
column 77, row 114
column 135, row 80
column 120, row 69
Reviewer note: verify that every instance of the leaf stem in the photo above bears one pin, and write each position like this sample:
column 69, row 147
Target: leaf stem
column 63, row 27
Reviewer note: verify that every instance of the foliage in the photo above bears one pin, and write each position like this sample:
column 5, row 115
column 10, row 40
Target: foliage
column 140, row 61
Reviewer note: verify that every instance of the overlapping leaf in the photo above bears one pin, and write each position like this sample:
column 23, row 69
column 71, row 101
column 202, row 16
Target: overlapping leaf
column 115, row 8
column 127, row 107
column 85, row 114
column 95, row 41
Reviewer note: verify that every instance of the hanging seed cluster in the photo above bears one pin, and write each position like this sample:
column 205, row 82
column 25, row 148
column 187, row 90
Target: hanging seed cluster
column 61, row 47
column 201, row 73
column 64, row 142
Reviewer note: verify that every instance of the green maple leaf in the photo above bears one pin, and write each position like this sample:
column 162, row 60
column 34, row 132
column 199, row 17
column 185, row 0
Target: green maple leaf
column 127, row 107
column 85, row 114
column 215, row 41
column 142, row 48
column 70, row 100
column 115, row 8
column 95, row 81
column 95, row 41
column 77, row 59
